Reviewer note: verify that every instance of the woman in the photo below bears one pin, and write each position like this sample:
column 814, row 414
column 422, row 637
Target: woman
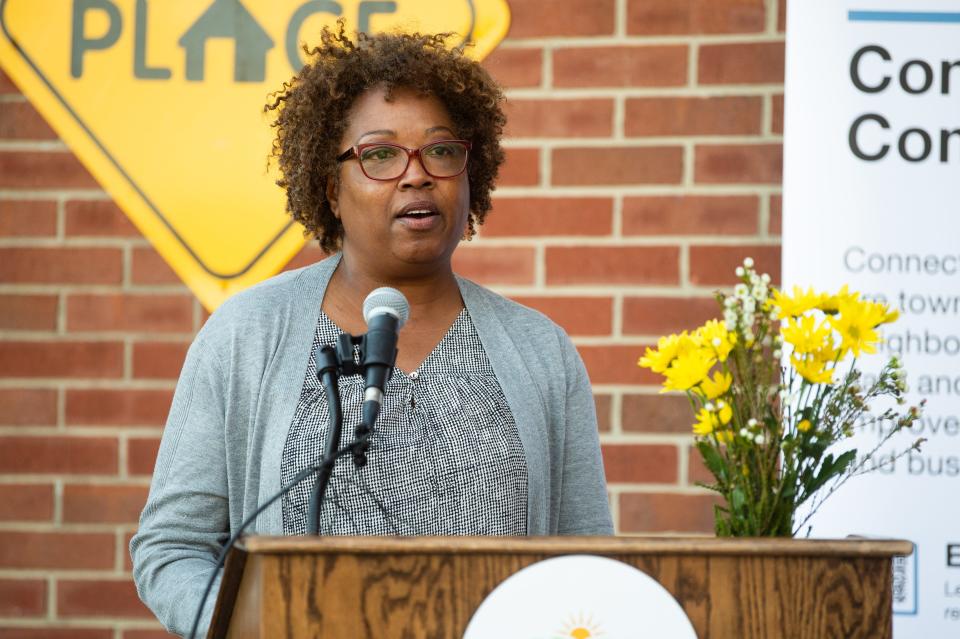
column 389, row 148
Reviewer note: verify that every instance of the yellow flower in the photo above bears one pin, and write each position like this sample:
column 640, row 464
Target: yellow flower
column 707, row 422
column 813, row 369
column 831, row 303
column 806, row 336
column 801, row 302
column 688, row 369
column 668, row 349
column 714, row 388
column 857, row 324
column 714, row 335
column 804, row 425
column 724, row 412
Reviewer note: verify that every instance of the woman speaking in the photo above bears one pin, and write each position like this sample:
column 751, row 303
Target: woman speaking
column 389, row 147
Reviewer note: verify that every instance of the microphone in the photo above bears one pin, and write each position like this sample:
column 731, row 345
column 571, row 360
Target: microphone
column 385, row 310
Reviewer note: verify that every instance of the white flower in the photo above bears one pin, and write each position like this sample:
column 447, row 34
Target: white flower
column 748, row 334
column 710, row 407
column 730, row 302
column 730, row 317
column 752, row 423
column 765, row 278
column 740, row 290
column 744, row 432
column 777, row 354
column 778, row 339
column 749, row 305
column 758, row 440
column 748, row 262
column 739, row 271
column 729, row 324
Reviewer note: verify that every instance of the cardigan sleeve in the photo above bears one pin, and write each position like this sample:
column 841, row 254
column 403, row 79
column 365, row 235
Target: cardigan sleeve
column 584, row 508
column 185, row 522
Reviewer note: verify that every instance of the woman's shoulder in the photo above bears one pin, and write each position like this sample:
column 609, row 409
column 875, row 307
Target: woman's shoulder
column 511, row 313
column 271, row 303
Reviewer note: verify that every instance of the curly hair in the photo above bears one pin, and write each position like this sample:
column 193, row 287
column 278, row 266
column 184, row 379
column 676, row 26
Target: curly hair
column 311, row 115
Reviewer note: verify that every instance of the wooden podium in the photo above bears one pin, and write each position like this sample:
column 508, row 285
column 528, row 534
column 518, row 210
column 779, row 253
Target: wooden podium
column 385, row 588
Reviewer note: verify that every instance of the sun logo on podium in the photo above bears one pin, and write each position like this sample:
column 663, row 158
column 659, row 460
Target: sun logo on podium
column 580, row 627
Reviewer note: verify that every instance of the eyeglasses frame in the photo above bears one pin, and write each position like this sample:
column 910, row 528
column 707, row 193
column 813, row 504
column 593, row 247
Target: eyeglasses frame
column 355, row 150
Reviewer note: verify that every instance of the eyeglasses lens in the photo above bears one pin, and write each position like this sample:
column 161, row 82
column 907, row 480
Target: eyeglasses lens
column 443, row 159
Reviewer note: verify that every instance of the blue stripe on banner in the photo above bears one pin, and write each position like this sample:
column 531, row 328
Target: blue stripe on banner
column 903, row 16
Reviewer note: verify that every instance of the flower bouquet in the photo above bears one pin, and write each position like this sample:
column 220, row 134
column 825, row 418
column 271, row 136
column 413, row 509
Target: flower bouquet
column 766, row 424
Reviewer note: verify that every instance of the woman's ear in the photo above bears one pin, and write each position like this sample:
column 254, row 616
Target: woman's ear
column 333, row 195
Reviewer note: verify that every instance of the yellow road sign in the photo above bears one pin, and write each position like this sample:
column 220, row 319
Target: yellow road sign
column 163, row 103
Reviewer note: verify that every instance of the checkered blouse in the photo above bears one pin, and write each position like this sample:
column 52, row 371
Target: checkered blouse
column 445, row 459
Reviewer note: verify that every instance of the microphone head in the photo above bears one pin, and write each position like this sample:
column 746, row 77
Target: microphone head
column 386, row 300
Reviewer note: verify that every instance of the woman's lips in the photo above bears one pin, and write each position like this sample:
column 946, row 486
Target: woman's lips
column 417, row 222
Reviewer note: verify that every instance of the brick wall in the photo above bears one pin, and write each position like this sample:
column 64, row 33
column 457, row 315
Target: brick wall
column 644, row 162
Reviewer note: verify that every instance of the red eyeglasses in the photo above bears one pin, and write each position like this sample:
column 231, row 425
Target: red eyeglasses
column 384, row 161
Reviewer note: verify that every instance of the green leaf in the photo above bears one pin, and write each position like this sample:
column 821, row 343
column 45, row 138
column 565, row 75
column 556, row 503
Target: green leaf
column 843, row 461
column 738, row 501
column 713, row 461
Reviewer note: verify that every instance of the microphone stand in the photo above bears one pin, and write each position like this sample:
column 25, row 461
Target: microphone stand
column 331, row 363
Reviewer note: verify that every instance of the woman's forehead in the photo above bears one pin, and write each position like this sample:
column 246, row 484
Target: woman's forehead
column 401, row 111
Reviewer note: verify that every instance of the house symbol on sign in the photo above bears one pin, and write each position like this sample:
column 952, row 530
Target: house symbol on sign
column 228, row 19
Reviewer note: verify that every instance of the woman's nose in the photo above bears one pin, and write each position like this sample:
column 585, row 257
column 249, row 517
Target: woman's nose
column 415, row 177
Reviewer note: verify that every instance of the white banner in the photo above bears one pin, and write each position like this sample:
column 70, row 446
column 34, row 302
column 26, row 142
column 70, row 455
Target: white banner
column 872, row 199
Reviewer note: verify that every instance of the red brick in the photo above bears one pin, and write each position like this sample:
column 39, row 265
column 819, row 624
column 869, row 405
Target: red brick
column 658, row 512
column 149, row 268
column 23, row 597
column 56, row 550
column 776, row 215
column 604, row 407
column 643, row 66
column 43, row 169
column 515, row 68
column 117, row 407
column 98, row 218
column 20, row 121
column 690, row 215
column 90, row 504
column 521, row 168
column 61, row 359
column 734, row 115
column 28, row 407
column 670, row 413
column 776, row 123
column 26, row 502
column 99, row 598
column 28, row 218
column 147, row 634
column 658, row 316
column 577, row 315
column 495, row 265
column 539, row 18
column 664, row 17
column 640, row 463
column 49, row 632
column 747, row 63
column 158, row 360
column 142, row 455
column 127, row 312
column 546, row 216
column 613, row 265
column 58, row 454
column 28, row 312
column 738, row 164
column 559, row 118
column 61, row 265
column 782, row 16
column 618, row 165
column 616, row 365
column 127, row 560
column 715, row 265
column 6, row 84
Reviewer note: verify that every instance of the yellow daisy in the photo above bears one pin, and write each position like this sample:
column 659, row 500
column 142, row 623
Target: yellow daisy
column 857, row 324
column 688, row 369
column 813, row 369
column 801, row 301
column 717, row 386
column 714, row 335
column 806, row 336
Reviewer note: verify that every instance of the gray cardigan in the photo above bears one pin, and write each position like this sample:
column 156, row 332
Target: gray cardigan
column 221, row 449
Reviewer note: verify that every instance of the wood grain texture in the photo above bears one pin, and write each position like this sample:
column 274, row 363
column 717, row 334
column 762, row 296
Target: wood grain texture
column 369, row 588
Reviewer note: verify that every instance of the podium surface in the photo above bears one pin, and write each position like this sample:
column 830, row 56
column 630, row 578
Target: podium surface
column 411, row 587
